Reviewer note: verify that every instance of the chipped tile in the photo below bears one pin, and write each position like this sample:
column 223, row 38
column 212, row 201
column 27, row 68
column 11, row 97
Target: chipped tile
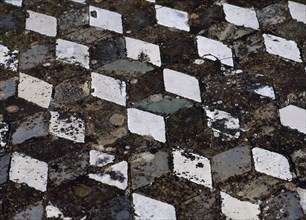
column 182, row 84
column 271, row 163
column 266, row 91
column 41, row 23
column 8, row 58
column 172, row 18
column 297, row 11
column 223, row 122
column 34, row 90
column 212, row 50
column 100, row 159
column 30, row 127
column 115, row 175
column 54, row 212
column 105, row 19
column 14, row 2
column 287, row 49
column 148, row 208
column 67, row 126
column 145, row 123
column 72, row 53
column 240, row 16
column 231, row 163
column 193, row 167
column 7, row 89
column 234, row 208
column 293, row 117
column 4, row 167
column 108, row 88
column 4, row 132
column 302, row 195
column 140, row 50
column 25, row 169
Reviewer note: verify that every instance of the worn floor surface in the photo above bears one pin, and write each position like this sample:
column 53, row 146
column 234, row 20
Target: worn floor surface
column 139, row 109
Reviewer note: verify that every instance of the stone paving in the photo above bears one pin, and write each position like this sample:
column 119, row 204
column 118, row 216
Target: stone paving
column 151, row 109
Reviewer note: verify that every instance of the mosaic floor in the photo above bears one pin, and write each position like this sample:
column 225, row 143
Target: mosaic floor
column 164, row 110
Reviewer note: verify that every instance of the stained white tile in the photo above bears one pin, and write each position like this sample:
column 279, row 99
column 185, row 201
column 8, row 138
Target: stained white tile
column 14, row 2
column 271, row 163
column 100, row 159
column 297, row 11
column 193, row 167
column 293, row 117
column 116, row 175
column 73, row 53
column 148, row 208
column 67, row 126
column 108, row 88
column 34, row 90
column 105, row 19
column 212, row 49
column 182, row 84
column 8, row 58
column 141, row 50
column 302, row 195
column 279, row 46
column 225, row 123
column 234, row 208
column 4, row 128
column 240, row 16
column 25, row 169
column 172, row 18
column 41, row 23
column 146, row 123
column 54, row 212
column 266, row 91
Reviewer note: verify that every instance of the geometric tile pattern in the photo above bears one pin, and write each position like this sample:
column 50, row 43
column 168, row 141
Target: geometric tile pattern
column 95, row 92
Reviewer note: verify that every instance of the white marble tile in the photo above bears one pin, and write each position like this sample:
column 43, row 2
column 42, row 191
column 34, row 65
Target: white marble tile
column 79, row 1
column 266, row 91
column 141, row 50
column 302, row 195
column 146, row 123
column 8, row 58
column 287, row 49
column 73, row 53
column 108, row 88
column 212, row 49
column 14, row 2
column 67, row 126
column 240, row 16
column 193, row 167
column 293, row 117
column 182, row 84
column 4, row 130
column 54, row 212
column 297, row 11
column 172, row 18
column 105, row 19
column 25, row 169
column 115, row 175
column 148, row 208
column 234, row 208
column 34, row 90
column 100, row 159
column 271, row 163
column 41, row 23
column 230, row 125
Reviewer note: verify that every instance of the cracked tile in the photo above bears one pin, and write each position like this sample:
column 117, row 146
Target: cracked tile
column 30, row 171
column 34, row 90
column 108, row 88
column 271, row 163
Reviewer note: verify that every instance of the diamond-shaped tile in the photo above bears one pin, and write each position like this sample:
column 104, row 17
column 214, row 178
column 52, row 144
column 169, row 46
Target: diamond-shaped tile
column 41, row 23
column 293, row 117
